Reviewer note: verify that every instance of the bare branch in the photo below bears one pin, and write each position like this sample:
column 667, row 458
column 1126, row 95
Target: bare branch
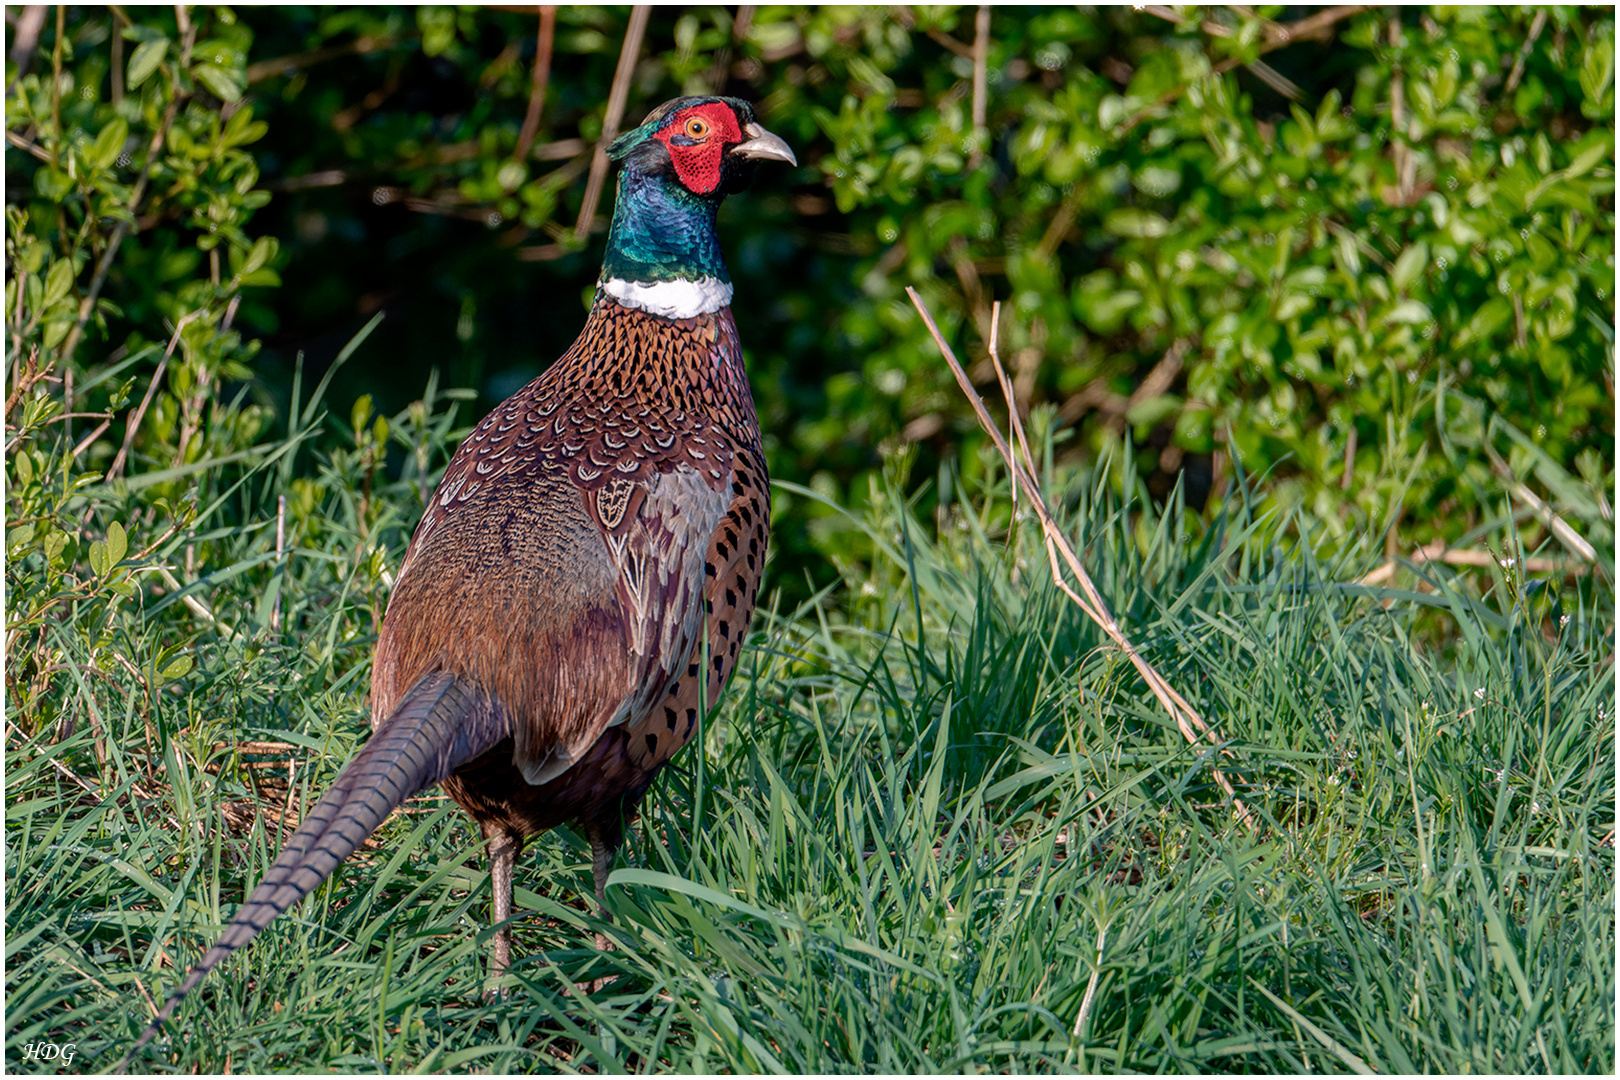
column 542, row 75
column 615, row 113
column 981, row 54
column 25, row 38
column 23, row 144
column 1536, row 26
column 942, row 38
column 280, row 65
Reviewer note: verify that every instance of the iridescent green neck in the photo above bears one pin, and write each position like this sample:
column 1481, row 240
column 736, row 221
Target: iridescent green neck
column 662, row 232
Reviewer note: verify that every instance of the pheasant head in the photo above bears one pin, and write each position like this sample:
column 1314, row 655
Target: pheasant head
column 663, row 254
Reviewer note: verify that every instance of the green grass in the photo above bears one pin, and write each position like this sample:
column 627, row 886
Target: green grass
column 932, row 811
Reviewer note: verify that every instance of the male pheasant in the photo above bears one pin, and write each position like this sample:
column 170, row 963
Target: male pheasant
column 582, row 580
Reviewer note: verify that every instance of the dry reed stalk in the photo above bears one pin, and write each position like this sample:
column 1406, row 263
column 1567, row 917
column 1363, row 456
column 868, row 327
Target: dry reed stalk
column 1061, row 554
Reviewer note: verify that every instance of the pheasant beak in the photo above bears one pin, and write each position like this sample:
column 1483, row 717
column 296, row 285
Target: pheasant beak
column 762, row 144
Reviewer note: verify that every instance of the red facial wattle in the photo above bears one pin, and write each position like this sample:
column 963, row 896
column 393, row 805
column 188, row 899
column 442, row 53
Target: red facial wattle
column 697, row 139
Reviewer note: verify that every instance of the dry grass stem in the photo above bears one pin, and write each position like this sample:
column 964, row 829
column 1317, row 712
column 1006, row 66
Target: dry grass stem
column 1437, row 552
column 981, row 55
column 1091, row 986
column 117, row 466
column 281, row 557
column 1061, row 555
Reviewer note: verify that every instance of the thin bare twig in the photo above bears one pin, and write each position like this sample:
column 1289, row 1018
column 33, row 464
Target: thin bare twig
column 24, row 38
column 542, row 75
column 151, row 388
column 193, row 605
column 366, row 43
column 1163, row 374
column 1062, row 556
column 1007, row 392
column 617, row 99
column 65, row 419
column 1400, row 152
column 24, row 376
column 56, row 81
column 23, row 144
column 63, row 769
column 1560, row 528
column 1517, row 73
column 90, row 440
column 981, row 55
column 941, row 37
column 117, row 67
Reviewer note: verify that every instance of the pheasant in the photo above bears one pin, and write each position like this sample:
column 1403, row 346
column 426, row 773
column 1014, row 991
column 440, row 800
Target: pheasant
column 581, row 581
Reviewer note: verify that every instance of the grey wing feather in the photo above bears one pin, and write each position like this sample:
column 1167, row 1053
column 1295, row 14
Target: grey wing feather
column 658, row 554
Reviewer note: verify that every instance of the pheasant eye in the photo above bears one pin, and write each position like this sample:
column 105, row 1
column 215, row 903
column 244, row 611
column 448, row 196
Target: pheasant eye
column 696, row 128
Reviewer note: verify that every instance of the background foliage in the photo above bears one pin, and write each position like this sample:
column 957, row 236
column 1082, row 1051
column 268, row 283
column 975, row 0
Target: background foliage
column 1343, row 275
column 1339, row 259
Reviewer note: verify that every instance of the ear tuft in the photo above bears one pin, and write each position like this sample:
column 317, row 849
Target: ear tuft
column 620, row 148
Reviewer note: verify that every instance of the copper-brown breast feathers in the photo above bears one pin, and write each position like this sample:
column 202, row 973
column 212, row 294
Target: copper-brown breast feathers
column 566, row 559
column 514, row 591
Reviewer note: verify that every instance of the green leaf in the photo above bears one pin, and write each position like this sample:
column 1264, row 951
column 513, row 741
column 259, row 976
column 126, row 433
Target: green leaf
column 1589, row 159
column 261, row 277
column 438, row 25
column 1490, row 316
column 145, row 60
column 54, row 545
column 1409, row 312
column 58, row 281
column 263, row 249
column 176, row 668
column 1597, row 75
column 1131, row 221
column 241, row 128
column 109, row 143
column 223, row 85
column 98, row 558
column 360, row 413
column 1409, row 266
column 117, row 544
column 52, row 184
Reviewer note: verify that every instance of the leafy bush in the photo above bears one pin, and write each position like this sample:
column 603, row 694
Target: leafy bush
column 1335, row 249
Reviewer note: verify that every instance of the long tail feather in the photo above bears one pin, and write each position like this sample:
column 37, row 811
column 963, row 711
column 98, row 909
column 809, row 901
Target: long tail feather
column 436, row 727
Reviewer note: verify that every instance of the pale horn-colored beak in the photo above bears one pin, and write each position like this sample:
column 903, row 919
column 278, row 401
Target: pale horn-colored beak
column 762, row 144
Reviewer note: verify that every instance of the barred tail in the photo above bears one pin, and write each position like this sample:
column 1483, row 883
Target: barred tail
column 438, row 725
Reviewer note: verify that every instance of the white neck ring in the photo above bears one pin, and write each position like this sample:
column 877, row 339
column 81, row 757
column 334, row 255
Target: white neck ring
column 671, row 299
